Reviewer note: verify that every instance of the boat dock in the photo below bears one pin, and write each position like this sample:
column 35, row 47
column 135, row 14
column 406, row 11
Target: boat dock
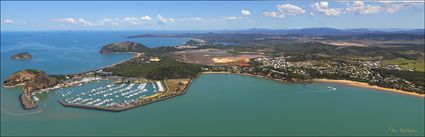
column 119, row 97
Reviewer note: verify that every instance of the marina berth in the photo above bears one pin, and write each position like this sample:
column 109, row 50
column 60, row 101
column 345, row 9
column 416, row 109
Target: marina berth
column 119, row 97
column 110, row 94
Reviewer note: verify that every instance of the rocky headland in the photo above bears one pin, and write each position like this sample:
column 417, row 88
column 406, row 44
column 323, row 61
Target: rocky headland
column 127, row 46
column 194, row 42
column 32, row 80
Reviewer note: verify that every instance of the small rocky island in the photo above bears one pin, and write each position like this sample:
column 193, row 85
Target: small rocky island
column 127, row 46
column 22, row 56
column 32, row 80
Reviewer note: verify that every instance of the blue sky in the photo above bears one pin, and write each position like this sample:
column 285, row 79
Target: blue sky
column 208, row 15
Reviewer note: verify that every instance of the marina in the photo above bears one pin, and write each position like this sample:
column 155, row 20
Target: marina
column 108, row 95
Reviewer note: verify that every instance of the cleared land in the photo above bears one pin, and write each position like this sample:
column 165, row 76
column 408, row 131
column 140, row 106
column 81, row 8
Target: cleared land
column 406, row 64
column 215, row 57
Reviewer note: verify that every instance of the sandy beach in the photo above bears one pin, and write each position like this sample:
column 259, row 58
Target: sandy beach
column 366, row 85
column 135, row 55
column 345, row 82
column 218, row 72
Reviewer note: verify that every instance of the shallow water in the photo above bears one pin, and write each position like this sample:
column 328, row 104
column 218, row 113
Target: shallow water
column 215, row 104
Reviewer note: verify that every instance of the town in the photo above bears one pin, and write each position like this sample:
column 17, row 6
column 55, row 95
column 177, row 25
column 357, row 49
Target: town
column 363, row 71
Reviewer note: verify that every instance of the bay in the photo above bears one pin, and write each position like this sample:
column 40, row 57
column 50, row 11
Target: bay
column 215, row 104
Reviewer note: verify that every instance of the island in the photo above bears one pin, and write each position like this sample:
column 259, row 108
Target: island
column 293, row 58
column 22, row 56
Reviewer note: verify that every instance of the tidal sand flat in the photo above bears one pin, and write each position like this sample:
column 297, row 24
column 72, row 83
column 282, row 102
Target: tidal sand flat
column 229, row 104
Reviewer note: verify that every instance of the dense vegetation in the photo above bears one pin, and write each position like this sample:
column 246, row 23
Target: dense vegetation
column 167, row 68
column 127, row 46
column 193, row 42
column 414, row 76
column 252, row 62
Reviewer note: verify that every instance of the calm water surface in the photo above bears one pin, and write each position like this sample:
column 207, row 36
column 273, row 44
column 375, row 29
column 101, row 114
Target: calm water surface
column 215, row 104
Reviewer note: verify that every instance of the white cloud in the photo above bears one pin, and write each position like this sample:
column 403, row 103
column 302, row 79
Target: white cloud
column 245, row 13
column 284, row 10
column 79, row 21
column 362, row 8
column 272, row 14
column 289, row 9
column 230, row 18
column 105, row 21
column 133, row 20
column 359, row 7
column 65, row 20
column 323, row 8
column 393, row 7
column 192, row 19
column 198, row 19
column 10, row 21
column 147, row 18
column 84, row 22
column 130, row 21
column 209, row 20
column 164, row 19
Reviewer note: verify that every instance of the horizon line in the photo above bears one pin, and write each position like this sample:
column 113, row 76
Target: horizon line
column 215, row 29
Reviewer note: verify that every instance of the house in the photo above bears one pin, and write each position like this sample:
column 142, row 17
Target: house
column 155, row 59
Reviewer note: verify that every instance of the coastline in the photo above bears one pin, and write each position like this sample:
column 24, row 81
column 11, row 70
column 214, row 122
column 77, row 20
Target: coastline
column 344, row 82
column 244, row 74
column 135, row 55
column 24, row 97
column 218, row 72
column 366, row 85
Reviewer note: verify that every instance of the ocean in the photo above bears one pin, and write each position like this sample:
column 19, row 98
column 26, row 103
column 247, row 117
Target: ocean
column 215, row 104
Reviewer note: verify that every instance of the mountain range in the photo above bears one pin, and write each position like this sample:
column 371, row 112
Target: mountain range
column 330, row 31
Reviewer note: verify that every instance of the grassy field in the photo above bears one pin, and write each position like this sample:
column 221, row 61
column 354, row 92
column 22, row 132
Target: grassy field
column 406, row 64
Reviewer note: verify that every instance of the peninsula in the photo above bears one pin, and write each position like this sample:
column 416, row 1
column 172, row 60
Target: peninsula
column 33, row 80
column 127, row 46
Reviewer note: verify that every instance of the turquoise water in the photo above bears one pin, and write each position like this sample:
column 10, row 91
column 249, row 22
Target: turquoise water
column 215, row 104
column 71, row 52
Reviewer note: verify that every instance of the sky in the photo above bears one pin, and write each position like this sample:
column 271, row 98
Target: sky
column 208, row 15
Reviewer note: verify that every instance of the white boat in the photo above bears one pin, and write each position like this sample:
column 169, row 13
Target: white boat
column 35, row 98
